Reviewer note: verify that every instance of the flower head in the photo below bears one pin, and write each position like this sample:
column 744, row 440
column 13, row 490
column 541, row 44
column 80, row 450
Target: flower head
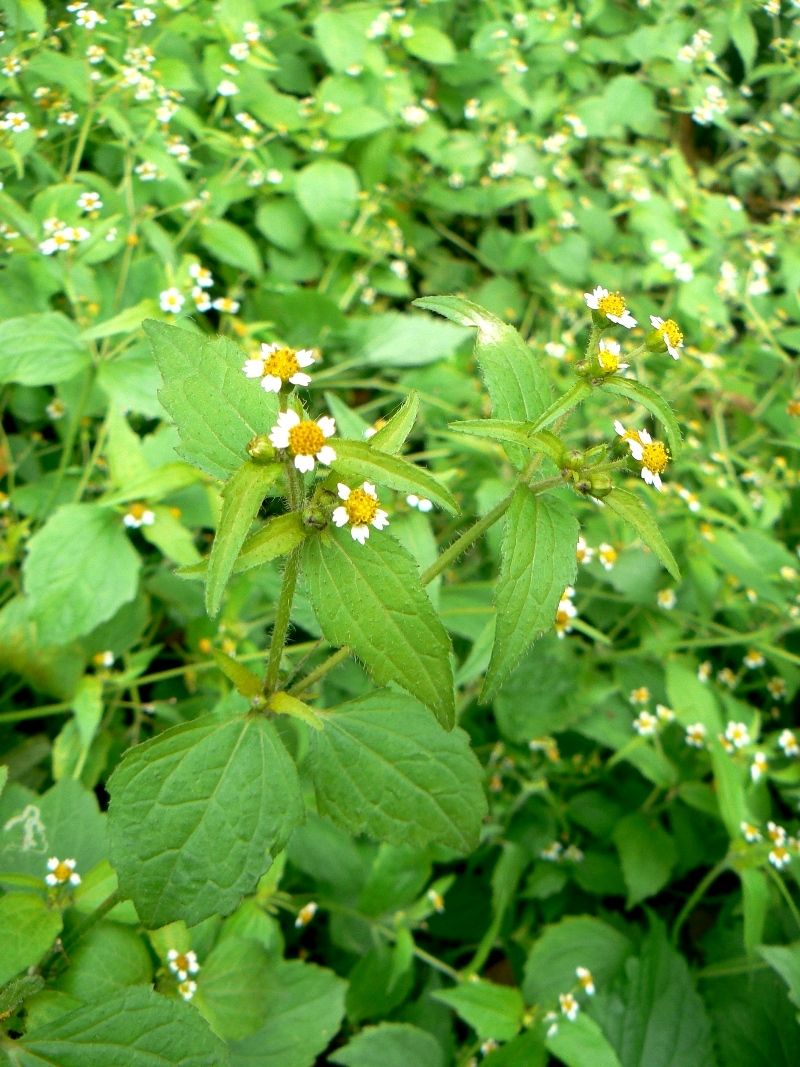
column 569, row 1006
column 61, row 872
column 171, row 300
column 421, row 503
column 666, row 335
column 696, row 735
column 304, row 439
column 645, row 724
column 788, row 743
column 749, row 832
column 279, row 364
column 608, row 352
column 738, row 734
column 758, row 767
column 779, row 856
column 586, row 980
column 360, row 510
column 187, row 989
column 652, row 455
column 182, row 964
column 138, row 515
column 306, row 914
column 607, row 555
column 565, row 613
column 583, row 551
column 89, row 202
column 753, row 659
column 666, row 599
column 609, row 306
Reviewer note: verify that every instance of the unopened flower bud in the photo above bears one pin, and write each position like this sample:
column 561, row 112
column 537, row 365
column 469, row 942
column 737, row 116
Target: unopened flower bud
column 260, row 450
column 600, row 484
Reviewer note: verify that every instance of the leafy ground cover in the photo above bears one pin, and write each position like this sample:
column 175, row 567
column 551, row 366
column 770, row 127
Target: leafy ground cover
column 398, row 623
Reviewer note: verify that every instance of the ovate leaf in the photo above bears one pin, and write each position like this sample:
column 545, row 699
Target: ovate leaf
column 515, row 433
column 328, row 192
column 41, row 349
column 28, row 929
column 582, row 1044
column 383, row 767
column 537, row 564
column 391, row 1045
column 630, row 508
column 195, row 813
column 392, row 435
column 66, row 572
column 575, row 941
column 232, row 988
column 516, row 380
column 647, row 854
column 357, row 461
column 136, row 1027
column 215, row 408
column 231, row 244
column 369, row 597
column 493, row 1011
column 275, row 539
column 305, row 1005
column 241, row 499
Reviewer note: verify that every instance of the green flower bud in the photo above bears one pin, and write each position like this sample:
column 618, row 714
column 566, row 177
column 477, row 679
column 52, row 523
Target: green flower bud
column 260, row 450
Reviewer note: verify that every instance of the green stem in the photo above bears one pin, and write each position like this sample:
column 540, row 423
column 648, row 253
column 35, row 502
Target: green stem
column 70, row 437
column 697, row 896
column 35, row 713
column 99, row 913
column 319, row 672
column 784, row 892
column 281, row 624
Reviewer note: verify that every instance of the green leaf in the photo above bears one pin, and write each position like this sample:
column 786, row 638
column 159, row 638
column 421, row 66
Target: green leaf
column 430, row 44
column 517, row 433
column 341, row 36
column 28, row 929
column 285, row 704
column 566, row 402
column 516, row 380
column 383, row 767
column 305, row 1005
column 231, row 244
column 277, row 538
column 136, row 1027
column 215, row 408
column 578, row 941
column 538, row 563
column 126, row 321
column 656, row 1018
column 392, row 435
column 232, row 990
column 241, row 499
column 396, row 339
column 247, row 683
column 582, row 1043
column 656, row 405
column 756, row 900
column 195, row 813
column 630, row 508
column 65, row 574
column 358, row 122
column 493, row 1011
column 785, row 959
column 328, row 192
column 391, row 1045
column 647, row 854
column 357, row 461
column 369, row 597
column 41, row 349
column 107, row 960
column 154, row 485
column 744, row 36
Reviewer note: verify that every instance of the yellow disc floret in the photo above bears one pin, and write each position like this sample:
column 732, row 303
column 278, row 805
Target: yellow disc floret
column 612, row 304
column 282, row 363
column 655, row 457
column 672, row 333
column 360, row 507
column 306, row 438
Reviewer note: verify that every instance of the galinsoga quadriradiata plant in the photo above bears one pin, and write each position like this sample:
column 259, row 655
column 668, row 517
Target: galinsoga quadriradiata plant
column 391, row 763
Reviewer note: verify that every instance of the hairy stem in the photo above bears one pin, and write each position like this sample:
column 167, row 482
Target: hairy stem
column 281, row 624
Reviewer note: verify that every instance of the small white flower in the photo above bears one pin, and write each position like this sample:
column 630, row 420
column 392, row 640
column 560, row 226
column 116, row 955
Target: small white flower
column 758, row 767
column 279, row 364
column 645, row 724
column 304, row 438
column 360, row 510
column 61, row 872
column 182, row 964
column 138, row 515
column 226, row 304
column 16, row 121
column 586, row 980
column 569, row 1006
column 89, row 202
column 583, row 552
column 306, row 914
column 187, row 989
column 171, row 300
column 738, row 734
column 670, row 334
column 420, row 502
column 666, row 599
column 202, row 301
column 696, row 735
column 607, row 555
column 753, row 659
column 611, row 305
column 779, row 856
column 788, row 743
column 608, row 353
column 750, row 832
column 227, row 88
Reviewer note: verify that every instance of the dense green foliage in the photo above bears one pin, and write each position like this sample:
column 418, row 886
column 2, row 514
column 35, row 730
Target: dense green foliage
column 515, row 779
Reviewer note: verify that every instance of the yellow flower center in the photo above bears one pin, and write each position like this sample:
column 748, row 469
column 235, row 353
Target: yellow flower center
column 613, row 304
column 609, row 555
column 562, row 619
column 671, row 333
column 654, row 457
column 360, row 507
column 609, row 361
column 282, row 363
column 62, row 872
column 181, row 963
column 306, row 438
column 136, row 511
